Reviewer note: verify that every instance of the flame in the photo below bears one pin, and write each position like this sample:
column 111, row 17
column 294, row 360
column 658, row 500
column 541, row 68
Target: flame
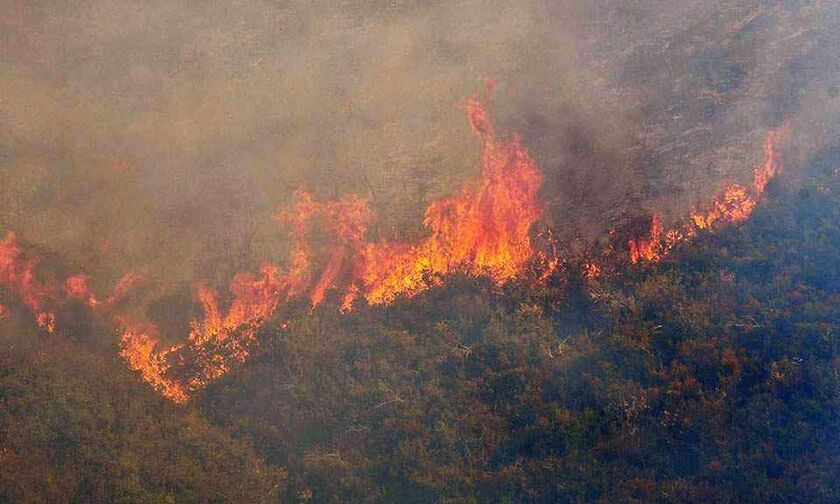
column 124, row 286
column 255, row 299
column 18, row 276
column 139, row 349
column 77, row 287
column 484, row 229
column 215, row 342
column 735, row 204
column 592, row 270
column 345, row 220
column 648, row 248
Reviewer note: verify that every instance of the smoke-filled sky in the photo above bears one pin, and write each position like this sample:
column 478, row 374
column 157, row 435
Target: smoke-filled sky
column 165, row 134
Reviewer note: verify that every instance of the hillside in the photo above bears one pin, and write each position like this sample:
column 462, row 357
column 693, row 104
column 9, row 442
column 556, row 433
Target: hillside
column 77, row 426
column 711, row 376
column 455, row 252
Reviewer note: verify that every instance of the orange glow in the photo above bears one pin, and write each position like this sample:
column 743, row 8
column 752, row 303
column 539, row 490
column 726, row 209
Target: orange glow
column 346, row 222
column 124, row 286
column 483, row 230
column 139, row 349
column 591, row 270
column 214, row 342
column 18, row 276
column 77, row 287
column 254, row 300
column 772, row 163
column 649, row 247
column 735, row 204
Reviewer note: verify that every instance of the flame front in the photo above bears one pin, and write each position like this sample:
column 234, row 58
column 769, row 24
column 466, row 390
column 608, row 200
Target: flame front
column 484, row 229
column 647, row 248
column 140, row 344
column 735, row 204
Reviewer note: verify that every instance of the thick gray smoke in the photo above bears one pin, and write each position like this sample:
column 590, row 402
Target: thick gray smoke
column 166, row 133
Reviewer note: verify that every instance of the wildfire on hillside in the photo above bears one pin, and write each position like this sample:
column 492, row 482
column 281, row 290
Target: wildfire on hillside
column 734, row 204
column 482, row 230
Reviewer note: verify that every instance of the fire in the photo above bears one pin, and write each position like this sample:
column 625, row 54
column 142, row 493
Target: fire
column 139, row 349
column 214, row 342
column 220, row 339
column 345, row 220
column 124, row 286
column 772, row 162
column 735, row 204
column 17, row 274
column 77, row 287
column 255, row 299
column 484, row 229
column 591, row 270
column 649, row 248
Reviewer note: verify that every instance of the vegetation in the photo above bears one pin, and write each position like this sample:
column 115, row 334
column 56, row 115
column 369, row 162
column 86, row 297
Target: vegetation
column 76, row 426
column 711, row 376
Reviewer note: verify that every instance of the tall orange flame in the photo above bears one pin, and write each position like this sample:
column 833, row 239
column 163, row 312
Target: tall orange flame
column 484, row 230
column 647, row 248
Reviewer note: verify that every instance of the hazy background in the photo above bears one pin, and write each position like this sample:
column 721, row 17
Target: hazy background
column 165, row 134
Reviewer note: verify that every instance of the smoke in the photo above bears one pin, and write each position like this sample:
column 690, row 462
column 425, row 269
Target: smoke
column 164, row 134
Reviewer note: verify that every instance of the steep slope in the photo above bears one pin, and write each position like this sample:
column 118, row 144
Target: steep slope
column 709, row 376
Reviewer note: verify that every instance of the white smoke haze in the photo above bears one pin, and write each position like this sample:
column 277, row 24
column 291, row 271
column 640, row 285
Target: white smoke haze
column 164, row 134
